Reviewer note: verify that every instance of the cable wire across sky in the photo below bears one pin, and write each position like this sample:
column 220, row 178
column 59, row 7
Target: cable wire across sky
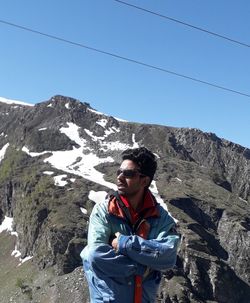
column 124, row 58
column 184, row 23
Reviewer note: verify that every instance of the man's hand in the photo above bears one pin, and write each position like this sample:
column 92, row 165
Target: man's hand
column 114, row 242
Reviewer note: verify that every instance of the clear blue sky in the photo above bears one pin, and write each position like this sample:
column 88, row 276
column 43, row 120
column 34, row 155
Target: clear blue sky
column 33, row 68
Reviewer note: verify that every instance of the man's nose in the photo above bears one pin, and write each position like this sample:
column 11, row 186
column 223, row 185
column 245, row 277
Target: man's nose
column 120, row 176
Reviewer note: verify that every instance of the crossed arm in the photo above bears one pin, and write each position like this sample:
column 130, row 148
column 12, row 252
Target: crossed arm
column 128, row 255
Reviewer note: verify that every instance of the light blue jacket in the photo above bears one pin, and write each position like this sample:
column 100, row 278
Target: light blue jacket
column 111, row 273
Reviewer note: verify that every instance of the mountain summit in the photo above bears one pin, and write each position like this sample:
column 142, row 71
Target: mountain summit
column 59, row 157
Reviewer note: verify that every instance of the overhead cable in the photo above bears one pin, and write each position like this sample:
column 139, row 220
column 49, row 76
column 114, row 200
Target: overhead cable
column 184, row 23
column 124, row 58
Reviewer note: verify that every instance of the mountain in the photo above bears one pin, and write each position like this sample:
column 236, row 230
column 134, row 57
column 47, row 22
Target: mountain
column 59, row 157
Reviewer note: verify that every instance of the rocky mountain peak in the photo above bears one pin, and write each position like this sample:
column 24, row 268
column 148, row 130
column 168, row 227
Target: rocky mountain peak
column 59, row 157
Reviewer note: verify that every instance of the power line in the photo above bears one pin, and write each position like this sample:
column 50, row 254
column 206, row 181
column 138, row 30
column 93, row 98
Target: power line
column 124, row 58
column 184, row 23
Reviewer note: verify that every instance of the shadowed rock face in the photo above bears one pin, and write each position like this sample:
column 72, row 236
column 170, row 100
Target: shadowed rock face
column 204, row 180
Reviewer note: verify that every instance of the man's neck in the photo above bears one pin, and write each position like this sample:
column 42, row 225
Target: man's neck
column 136, row 201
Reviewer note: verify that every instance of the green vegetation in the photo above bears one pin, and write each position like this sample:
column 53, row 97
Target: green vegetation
column 20, row 283
column 24, row 287
column 12, row 276
column 11, row 163
column 37, row 188
column 20, row 168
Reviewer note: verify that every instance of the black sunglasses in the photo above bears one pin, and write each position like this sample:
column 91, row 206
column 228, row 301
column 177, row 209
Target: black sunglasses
column 129, row 173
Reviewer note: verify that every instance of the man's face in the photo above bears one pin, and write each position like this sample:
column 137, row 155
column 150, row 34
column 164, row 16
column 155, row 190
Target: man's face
column 130, row 181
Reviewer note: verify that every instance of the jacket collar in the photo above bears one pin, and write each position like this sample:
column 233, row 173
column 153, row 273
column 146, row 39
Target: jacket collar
column 119, row 206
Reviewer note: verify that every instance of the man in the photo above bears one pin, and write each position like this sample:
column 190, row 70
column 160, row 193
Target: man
column 130, row 238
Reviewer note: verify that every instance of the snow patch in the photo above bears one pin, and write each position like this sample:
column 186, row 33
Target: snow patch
column 157, row 156
column 59, row 180
column 102, row 122
column 24, row 260
column 84, row 210
column 47, row 172
column 43, row 128
column 6, row 225
column 76, row 161
column 178, row 179
column 243, row 200
column 32, row 154
column 112, row 145
column 116, row 145
column 121, row 120
column 97, row 196
column 154, row 190
column 107, row 133
column 17, row 254
column 159, row 199
column 94, row 138
column 96, row 112
column 81, row 161
column 99, row 113
column 9, row 101
column 135, row 144
column 72, row 132
column 3, row 151
column 111, row 130
column 85, row 167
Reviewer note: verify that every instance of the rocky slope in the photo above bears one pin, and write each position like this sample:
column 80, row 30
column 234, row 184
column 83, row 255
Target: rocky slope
column 59, row 156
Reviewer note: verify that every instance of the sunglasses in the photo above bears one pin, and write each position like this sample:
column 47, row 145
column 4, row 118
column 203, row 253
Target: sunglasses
column 129, row 173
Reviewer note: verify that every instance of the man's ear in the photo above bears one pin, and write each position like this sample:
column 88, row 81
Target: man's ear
column 146, row 181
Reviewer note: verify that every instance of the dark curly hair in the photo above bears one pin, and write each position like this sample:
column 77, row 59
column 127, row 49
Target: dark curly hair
column 144, row 158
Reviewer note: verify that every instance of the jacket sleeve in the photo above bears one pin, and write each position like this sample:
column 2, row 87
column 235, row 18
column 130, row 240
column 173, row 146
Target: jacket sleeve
column 99, row 254
column 159, row 253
